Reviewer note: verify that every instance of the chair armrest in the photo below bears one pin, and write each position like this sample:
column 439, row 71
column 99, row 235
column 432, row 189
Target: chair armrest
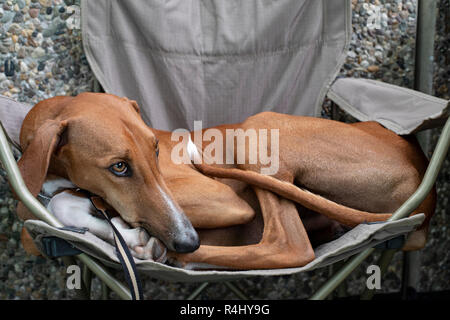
column 401, row 110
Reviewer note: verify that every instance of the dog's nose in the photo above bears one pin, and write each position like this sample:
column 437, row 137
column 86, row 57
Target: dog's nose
column 186, row 243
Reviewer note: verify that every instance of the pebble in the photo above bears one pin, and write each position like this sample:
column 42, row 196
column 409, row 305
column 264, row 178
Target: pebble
column 364, row 64
column 21, row 3
column 373, row 68
column 372, row 46
column 34, row 12
column 351, row 54
column 7, row 17
column 37, row 53
column 45, row 3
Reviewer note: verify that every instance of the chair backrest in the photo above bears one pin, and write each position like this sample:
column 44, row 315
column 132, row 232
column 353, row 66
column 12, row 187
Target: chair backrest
column 216, row 61
column 12, row 114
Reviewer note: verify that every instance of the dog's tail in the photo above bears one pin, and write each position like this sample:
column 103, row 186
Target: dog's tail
column 340, row 213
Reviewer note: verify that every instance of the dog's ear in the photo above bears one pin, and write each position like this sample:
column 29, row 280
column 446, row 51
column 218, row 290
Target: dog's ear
column 28, row 244
column 35, row 160
column 135, row 106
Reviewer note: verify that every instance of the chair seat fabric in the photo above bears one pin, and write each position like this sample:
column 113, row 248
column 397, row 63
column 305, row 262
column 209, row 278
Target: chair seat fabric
column 359, row 238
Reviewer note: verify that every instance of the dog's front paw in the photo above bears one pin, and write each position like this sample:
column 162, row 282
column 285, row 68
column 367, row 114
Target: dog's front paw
column 135, row 237
column 173, row 260
column 143, row 236
column 177, row 260
column 152, row 250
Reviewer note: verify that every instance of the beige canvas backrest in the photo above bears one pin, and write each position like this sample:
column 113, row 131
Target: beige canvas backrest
column 216, row 61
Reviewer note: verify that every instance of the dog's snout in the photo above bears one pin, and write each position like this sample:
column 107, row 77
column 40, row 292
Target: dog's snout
column 186, row 242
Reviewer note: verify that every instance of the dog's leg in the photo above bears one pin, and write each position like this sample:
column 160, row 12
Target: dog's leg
column 284, row 242
column 417, row 239
column 77, row 211
column 203, row 199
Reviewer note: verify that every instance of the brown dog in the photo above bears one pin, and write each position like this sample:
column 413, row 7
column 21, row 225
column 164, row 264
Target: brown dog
column 101, row 144
column 355, row 168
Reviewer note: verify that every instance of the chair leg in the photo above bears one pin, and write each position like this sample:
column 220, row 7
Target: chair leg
column 410, row 274
column 87, row 279
column 105, row 291
column 197, row 291
column 341, row 290
column 238, row 292
column 340, row 275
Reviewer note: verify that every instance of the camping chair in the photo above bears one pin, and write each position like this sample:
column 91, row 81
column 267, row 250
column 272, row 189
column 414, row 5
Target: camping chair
column 205, row 61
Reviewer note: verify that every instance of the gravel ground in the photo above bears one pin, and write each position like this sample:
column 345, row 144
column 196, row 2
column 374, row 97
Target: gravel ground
column 41, row 56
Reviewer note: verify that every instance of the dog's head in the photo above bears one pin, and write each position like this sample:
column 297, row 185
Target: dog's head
column 101, row 143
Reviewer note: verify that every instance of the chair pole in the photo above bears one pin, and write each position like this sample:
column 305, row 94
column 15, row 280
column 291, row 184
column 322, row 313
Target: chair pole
column 197, row 291
column 423, row 81
column 405, row 209
column 341, row 275
column 426, row 25
column 238, row 292
column 87, row 279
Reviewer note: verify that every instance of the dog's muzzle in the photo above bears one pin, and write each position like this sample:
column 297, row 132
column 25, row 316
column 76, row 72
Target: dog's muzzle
column 186, row 242
column 183, row 240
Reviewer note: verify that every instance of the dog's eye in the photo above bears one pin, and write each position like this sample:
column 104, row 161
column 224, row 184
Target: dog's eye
column 120, row 169
column 157, row 148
